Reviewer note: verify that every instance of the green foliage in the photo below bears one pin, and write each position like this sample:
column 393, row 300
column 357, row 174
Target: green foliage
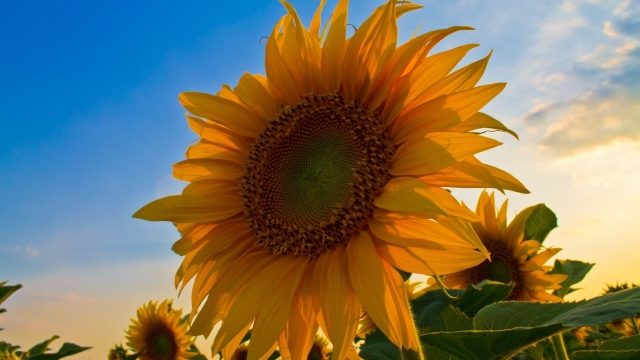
column 618, row 349
column 433, row 311
column 575, row 271
column 67, row 349
column 503, row 329
column 540, row 223
column 38, row 351
column 606, row 355
column 475, row 326
column 42, row 347
column 6, row 291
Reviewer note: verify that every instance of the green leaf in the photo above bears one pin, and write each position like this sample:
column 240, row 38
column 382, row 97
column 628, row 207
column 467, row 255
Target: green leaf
column 433, row 311
column 625, row 343
column 6, row 347
column 540, row 223
column 475, row 297
column 6, row 291
column 377, row 347
column 606, row 355
column 575, row 271
column 43, row 346
column 67, row 349
column 501, row 330
column 454, row 319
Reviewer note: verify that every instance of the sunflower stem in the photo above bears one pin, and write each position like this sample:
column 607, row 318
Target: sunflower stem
column 559, row 348
column 443, row 288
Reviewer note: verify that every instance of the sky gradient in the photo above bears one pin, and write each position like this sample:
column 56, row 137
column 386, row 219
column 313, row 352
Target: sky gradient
column 90, row 125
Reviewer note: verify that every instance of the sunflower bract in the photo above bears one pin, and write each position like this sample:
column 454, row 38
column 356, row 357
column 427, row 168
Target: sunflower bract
column 309, row 187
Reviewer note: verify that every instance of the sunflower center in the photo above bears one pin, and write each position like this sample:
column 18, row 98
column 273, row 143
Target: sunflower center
column 161, row 344
column 502, row 267
column 313, row 174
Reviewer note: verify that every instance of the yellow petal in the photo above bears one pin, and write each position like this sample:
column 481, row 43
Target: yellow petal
column 275, row 308
column 334, row 47
column 227, row 352
column 252, row 298
column 462, row 79
column 436, row 67
column 252, row 92
column 482, row 121
column 543, row 256
column 407, row 194
column 294, row 52
column 302, row 325
column 465, row 231
column 314, row 27
column 223, row 111
column 217, row 134
column 425, row 233
column 232, row 281
column 277, row 72
column 187, row 208
column 207, row 150
column 397, row 66
column 381, row 292
column 429, row 261
column 515, row 230
column 340, row 308
column 182, row 246
column 442, row 112
column 437, row 151
column 471, row 173
column 211, row 187
column 207, row 169
column 451, row 206
column 372, row 44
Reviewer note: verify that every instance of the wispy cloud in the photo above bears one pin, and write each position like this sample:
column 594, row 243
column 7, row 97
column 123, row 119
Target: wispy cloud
column 595, row 98
column 592, row 121
column 27, row 250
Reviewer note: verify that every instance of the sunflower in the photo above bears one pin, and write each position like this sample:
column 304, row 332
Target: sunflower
column 117, row 352
column 513, row 258
column 158, row 333
column 311, row 185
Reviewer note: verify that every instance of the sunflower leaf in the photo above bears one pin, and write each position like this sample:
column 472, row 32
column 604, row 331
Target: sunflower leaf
column 7, row 290
column 67, row 349
column 606, row 355
column 540, row 223
column 625, row 343
column 43, row 346
column 574, row 269
column 475, row 297
column 378, row 347
column 501, row 330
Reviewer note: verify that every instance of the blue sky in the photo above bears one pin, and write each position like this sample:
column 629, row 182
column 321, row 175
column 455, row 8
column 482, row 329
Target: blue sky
column 90, row 125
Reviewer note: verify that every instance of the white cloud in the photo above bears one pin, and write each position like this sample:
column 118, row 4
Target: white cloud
column 609, row 29
column 592, row 121
column 27, row 250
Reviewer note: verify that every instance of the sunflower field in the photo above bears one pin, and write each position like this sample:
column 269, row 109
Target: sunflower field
column 317, row 220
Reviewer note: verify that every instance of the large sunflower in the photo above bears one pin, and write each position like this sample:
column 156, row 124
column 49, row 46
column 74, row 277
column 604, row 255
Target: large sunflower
column 158, row 334
column 309, row 187
column 513, row 258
